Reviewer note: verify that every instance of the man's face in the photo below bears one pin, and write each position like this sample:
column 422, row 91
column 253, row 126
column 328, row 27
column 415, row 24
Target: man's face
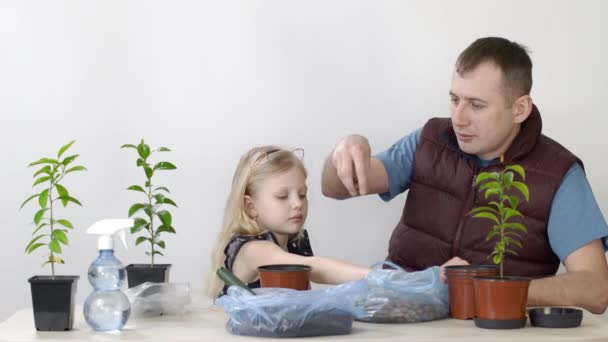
column 482, row 119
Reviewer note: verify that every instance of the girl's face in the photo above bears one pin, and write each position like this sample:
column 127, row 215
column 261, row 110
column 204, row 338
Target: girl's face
column 280, row 203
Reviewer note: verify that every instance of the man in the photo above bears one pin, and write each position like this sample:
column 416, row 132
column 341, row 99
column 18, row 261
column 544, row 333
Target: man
column 493, row 123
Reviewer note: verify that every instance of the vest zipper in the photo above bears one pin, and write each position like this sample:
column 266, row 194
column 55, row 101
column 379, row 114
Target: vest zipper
column 463, row 214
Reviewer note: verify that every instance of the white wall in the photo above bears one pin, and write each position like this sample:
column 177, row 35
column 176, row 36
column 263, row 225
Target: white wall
column 211, row 79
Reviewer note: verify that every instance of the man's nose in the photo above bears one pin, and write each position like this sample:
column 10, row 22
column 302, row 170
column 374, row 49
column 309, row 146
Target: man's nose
column 460, row 115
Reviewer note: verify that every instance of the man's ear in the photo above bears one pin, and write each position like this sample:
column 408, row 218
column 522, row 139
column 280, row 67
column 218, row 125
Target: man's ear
column 522, row 107
column 250, row 207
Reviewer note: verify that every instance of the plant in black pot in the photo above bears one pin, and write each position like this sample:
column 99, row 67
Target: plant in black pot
column 52, row 296
column 151, row 211
column 500, row 302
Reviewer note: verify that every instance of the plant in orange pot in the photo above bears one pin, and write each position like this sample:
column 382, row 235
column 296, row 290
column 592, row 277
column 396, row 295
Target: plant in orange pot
column 500, row 302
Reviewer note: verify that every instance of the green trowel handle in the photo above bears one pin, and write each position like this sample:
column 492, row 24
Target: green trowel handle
column 231, row 280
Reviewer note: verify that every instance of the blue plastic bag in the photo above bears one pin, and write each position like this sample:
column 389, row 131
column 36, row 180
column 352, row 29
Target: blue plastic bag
column 396, row 296
column 275, row 312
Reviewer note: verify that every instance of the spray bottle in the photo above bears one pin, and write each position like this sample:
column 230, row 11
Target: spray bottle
column 107, row 308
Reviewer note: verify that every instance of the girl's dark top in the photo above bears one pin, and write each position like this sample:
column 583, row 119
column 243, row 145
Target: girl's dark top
column 299, row 246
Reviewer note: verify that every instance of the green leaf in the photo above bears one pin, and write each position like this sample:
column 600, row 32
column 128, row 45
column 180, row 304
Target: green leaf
column 28, row 199
column 33, row 242
column 40, row 226
column 508, row 213
column 483, row 208
column 150, row 210
column 140, row 162
column 128, row 146
column 161, row 244
column 163, row 165
column 69, row 159
column 514, row 201
column 485, row 176
column 63, row 193
column 492, row 191
column 511, row 252
column 44, row 161
column 54, row 246
column 518, row 169
column 138, row 225
column 34, row 247
column 514, row 234
column 491, row 234
column 517, row 226
column 43, row 198
column 136, row 188
column 69, row 199
column 169, row 201
column 487, row 215
column 143, row 150
column 489, row 185
column 523, row 188
column 60, row 236
column 508, row 240
column 497, row 259
column 162, row 188
column 64, row 148
column 507, row 179
column 76, row 168
column 159, row 253
column 38, row 216
column 165, row 217
column 149, row 172
column 161, row 199
column 164, row 228
column 141, row 239
column 41, row 180
column 135, row 208
column 163, row 149
column 65, row 223
column 147, row 184
column 44, row 169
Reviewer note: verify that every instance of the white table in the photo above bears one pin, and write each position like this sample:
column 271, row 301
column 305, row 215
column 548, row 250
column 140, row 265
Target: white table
column 205, row 323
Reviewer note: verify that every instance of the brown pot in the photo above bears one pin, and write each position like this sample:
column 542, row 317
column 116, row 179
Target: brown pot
column 501, row 300
column 460, row 284
column 295, row 277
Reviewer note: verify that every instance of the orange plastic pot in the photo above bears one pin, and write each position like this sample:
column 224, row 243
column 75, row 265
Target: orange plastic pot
column 460, row 284
column 295, row 277
column 502, row 300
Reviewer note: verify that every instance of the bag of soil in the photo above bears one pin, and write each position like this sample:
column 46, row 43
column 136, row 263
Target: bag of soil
column 275, row 312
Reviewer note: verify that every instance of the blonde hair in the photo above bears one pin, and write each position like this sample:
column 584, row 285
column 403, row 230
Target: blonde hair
column 257, row 164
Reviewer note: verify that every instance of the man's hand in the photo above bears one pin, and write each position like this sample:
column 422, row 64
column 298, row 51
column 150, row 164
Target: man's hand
column 351, row 158
column 452, row 262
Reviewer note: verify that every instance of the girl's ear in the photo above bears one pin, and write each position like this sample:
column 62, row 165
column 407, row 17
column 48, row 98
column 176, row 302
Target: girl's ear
column 250, row 208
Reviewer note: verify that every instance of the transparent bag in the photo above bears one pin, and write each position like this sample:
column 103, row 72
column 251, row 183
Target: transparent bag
column 396, row 296
column 277, row 312
column 153, row 299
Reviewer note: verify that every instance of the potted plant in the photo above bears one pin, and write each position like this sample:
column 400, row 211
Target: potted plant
column 151, row 211
column 52, row 296
column 500, row 302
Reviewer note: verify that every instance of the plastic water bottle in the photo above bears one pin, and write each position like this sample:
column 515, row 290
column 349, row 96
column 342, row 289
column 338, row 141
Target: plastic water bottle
column 107, row 308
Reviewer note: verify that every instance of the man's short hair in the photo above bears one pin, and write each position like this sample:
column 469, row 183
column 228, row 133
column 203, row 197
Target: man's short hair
column 510, row 57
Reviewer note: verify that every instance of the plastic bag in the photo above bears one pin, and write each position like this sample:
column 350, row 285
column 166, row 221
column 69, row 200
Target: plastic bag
column 275, row 312
column 153, row 299
column 396, row 296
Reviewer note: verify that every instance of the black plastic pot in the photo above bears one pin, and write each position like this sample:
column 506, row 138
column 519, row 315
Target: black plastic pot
column 53, row 300
column 141, row 273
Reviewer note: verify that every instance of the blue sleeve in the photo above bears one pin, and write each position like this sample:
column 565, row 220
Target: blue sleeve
column 398, row 162
column 575, row 218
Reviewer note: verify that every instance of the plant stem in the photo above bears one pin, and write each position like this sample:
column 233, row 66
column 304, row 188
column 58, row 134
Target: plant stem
column 151, row 216
column 51, row 225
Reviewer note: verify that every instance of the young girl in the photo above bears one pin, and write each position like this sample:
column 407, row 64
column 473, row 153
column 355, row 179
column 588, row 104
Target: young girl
column 264, row 219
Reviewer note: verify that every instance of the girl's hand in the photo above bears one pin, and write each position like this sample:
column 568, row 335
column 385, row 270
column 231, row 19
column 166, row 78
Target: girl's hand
column 455, row 261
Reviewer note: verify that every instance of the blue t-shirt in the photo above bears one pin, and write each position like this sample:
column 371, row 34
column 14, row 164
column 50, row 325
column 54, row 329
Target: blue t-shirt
column 575, row 218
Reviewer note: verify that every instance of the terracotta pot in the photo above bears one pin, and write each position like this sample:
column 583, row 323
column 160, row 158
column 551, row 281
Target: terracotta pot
column 295, row 277
column 460, row 284
column 501, row 302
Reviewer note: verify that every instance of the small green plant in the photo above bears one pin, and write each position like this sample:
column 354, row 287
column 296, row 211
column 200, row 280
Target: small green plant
column 502, row 211
column 155, row 199
column 50, row 175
